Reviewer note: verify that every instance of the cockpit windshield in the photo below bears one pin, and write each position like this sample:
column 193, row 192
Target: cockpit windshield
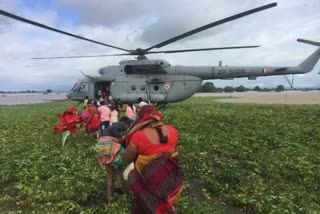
column 80, row 87
column 75, row 87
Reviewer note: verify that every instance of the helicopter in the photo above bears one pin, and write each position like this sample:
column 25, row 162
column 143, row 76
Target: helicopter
column 156, row 80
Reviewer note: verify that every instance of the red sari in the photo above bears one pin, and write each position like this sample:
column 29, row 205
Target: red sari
column 69, row 119
column 156, row 180
column 93, row 123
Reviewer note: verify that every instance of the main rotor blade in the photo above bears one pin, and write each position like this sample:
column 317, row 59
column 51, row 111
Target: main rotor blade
column 203, row 49
column 309, row 42
column 10, row 15
column 213, row 24
column 85, row 56
column 152, row 52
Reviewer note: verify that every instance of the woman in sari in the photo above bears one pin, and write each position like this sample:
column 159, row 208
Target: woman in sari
column 93, row 121
column 156, row 180
column 108, row 147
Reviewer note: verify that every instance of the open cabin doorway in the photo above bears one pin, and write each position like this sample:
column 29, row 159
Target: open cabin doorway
column 102, row 89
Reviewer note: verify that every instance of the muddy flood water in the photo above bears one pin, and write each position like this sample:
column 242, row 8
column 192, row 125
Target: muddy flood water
column 28, row 98
column 285, row 97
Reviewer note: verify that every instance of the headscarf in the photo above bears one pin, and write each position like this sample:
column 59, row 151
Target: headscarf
column 148, row 114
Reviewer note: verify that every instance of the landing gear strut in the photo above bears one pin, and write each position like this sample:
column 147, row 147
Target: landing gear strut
column 290, row 82
column 160, row 105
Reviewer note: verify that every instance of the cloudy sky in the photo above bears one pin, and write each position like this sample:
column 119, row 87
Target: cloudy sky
column 142, row 23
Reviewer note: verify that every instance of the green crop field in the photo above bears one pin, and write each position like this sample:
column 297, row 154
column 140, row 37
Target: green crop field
column 238, row 158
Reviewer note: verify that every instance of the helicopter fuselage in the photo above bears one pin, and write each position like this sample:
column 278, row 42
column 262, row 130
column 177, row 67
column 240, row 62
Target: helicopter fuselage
column 156, row 81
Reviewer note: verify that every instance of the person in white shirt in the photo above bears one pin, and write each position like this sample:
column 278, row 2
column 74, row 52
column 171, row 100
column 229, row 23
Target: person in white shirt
column 141, row 103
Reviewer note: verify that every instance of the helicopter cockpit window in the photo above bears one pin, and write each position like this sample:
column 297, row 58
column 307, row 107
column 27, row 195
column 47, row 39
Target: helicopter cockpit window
column 144, row 69
column 133, row 87
column 75, row 87
column 84, row 87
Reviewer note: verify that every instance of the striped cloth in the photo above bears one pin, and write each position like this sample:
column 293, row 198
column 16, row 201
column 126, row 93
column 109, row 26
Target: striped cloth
column 107, row 148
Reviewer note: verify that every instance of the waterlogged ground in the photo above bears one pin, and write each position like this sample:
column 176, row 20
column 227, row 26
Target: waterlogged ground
column 29, row 98
column 238, row 158
column 284, row 97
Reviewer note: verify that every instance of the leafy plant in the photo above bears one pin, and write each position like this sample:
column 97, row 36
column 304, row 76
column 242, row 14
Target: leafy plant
column 238, row 158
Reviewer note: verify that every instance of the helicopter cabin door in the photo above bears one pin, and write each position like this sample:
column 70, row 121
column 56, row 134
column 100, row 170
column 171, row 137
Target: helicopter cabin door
column 156, row 93
column 144, row 82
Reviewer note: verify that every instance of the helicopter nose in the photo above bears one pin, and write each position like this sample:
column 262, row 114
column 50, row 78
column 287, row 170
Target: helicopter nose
column 68, row 96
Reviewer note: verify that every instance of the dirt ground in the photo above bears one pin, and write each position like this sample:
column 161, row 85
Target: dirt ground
column 285, row 97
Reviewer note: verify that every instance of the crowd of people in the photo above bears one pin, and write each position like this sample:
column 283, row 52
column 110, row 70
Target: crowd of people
column 139, row 148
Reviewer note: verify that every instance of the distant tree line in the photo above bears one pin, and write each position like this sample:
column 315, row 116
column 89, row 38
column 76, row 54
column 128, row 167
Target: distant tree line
column 28, row 91
column 210, row 87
